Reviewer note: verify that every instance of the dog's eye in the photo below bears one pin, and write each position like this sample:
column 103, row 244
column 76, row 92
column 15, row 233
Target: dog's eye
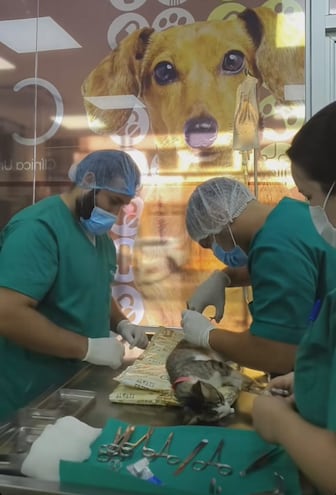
column 233, row 62
column 165, row 73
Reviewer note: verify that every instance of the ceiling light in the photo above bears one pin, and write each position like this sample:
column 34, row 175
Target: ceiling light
column 115, row 102
column 73, row 122
column 36, row 34
column 5, row 65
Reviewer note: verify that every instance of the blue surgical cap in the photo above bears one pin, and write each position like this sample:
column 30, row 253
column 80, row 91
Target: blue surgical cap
column 214, row 204
column 112, row 170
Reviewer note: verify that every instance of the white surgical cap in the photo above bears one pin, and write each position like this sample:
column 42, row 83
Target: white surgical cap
column 214, row 204
column 112, row 170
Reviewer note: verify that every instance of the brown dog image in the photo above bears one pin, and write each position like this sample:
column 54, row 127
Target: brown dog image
column 187, row 78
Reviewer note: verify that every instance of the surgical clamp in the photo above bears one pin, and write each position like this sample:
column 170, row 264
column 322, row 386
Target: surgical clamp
column 127, row 448
column 164, row 452
column 146, row 449
column 215, row 460
column 107, row 451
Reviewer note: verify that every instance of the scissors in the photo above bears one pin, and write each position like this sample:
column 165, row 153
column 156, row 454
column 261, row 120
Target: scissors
column 261, row 461
column 164, row 452
column 223, row 469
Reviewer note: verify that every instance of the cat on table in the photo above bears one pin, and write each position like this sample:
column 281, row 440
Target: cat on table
column 196, row 374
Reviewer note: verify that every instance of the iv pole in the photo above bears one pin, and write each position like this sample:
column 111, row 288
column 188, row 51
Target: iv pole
column 245, row 132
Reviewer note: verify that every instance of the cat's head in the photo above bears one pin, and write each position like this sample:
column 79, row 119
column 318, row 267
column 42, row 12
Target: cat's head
column 205, row 404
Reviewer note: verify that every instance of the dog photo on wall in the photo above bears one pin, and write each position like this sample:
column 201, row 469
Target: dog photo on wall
column 186, row 78
column 168, row 90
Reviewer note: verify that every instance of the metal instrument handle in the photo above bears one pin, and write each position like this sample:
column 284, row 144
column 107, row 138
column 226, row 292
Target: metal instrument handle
column 224, row 469
column 261, row 461
column 172, row 459
column 191, row 456
column 199, row 465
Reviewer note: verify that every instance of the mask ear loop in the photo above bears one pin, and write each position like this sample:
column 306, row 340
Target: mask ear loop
column 328, row 195
column 231, row 234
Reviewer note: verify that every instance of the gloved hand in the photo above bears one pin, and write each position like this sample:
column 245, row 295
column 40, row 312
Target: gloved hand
column 134, row 334
column 196, row 328
column 211, row 293
column 105, row 351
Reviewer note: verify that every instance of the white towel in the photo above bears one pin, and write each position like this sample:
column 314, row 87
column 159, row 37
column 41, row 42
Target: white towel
column 68, row 439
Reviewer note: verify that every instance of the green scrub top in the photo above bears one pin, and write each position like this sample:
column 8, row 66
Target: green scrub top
column 46, row 255
column 285, row 261
column 315, row 368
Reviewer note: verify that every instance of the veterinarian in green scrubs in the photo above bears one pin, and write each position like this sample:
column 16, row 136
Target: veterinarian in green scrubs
column 57, row 263
column 278, row 251
column 308, row 430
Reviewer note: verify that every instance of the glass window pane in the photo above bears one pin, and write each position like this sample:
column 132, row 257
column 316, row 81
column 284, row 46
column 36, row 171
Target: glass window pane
column 182, row 115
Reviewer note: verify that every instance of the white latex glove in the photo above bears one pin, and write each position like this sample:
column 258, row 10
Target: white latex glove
column 211, row 293
column 196, row 328
column 134, row 334
column 105, row 351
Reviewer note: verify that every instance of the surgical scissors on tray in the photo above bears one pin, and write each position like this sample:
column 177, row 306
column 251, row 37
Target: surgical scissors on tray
column 215, row 460
column 261, row 461
column 164, row 452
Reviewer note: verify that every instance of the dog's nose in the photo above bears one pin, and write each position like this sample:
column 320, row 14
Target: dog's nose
column 200, row 132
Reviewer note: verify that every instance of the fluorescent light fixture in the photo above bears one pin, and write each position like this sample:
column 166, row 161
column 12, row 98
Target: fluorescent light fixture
column 114, row 102
column 73, row 122
column 35, row 34
column 5, row 65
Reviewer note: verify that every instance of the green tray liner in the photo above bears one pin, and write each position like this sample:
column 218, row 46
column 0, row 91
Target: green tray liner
column 241, row 447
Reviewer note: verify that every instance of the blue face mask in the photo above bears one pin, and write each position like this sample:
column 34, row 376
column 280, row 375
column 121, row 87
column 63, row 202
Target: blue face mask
column 234, row 258
column 100, row 221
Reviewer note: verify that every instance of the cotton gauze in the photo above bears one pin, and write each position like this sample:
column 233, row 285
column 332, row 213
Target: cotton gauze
column 68, row 439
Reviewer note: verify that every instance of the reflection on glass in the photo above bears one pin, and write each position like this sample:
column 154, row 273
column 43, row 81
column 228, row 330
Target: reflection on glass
column 161, row 132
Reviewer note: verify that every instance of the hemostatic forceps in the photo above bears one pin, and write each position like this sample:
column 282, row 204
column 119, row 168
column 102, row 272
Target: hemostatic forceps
column 127, row 448
column 164, row 452
column 215, row 460
column 107, row 451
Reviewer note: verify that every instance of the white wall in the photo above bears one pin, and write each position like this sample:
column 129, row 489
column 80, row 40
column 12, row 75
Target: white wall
column 320, row 56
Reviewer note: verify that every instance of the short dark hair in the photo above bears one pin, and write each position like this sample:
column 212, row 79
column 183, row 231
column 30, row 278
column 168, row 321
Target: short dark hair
column 313, row 148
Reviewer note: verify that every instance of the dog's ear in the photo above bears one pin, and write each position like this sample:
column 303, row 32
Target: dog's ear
column 276, row 66
column 116, row 74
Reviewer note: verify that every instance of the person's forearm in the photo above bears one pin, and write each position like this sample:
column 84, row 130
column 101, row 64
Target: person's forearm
column 240, row 277
column 116, row 315
column 312, row 449
column 253, row 352
column 28, row 328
